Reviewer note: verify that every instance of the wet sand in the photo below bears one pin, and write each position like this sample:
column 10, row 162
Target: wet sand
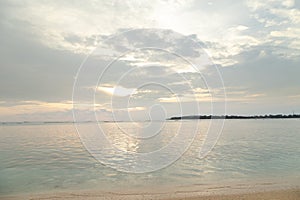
column 287, row 194
column 270, row 195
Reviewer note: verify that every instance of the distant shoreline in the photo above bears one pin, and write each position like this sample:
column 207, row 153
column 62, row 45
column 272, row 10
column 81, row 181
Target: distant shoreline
column 278, row 116
column 187, row 117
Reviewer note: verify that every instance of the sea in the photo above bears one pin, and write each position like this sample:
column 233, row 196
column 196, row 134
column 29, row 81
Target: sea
column 52, row 157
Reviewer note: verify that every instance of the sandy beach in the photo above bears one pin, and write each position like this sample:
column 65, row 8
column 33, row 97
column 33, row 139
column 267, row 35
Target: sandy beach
column 274, row 195
column 287, row 194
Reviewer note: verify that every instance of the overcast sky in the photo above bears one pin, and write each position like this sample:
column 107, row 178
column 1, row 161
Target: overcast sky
column 169, row 57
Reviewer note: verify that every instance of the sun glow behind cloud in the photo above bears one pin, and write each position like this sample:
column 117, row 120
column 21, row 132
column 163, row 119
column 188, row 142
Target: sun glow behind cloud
column 251, row 38
column 117, row 91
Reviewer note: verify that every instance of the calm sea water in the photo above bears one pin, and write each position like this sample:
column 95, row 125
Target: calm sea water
column 38, row 158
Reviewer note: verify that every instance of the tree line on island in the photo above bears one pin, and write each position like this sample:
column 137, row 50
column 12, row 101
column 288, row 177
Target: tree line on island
column 278, row 116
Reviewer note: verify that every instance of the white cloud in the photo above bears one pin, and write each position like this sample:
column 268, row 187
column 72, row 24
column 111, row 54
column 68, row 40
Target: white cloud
column 264, row 31
column 282, row 22
column 133, row 109
column 55, row 22
column 117, row 91
column 233, row 43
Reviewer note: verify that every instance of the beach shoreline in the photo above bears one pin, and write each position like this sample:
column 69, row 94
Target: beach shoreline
column 221, row 194
column 286, row 194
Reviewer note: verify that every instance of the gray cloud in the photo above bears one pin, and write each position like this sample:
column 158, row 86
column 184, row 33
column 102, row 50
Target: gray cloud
column 30, row 70
column 254, row 44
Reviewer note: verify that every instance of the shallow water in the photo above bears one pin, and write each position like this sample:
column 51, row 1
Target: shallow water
column 38, row 158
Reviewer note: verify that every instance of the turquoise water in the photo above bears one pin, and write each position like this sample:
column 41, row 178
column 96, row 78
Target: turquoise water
column 50, row 157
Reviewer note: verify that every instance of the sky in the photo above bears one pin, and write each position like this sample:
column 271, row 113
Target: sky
column 144, row 60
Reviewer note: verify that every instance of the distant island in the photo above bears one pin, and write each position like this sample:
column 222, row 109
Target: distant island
column 278, row 116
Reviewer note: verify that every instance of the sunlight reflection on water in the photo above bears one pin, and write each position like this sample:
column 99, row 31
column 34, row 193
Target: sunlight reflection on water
column 38, row 158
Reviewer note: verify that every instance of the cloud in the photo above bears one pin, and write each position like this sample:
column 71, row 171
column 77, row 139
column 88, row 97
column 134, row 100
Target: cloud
column 254, row 44
column 76, row 26
column 34, row 108
column 281, row 20
column 117, row 91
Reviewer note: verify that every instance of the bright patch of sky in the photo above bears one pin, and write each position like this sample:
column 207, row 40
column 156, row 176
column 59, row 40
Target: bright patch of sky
column 254, row 44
